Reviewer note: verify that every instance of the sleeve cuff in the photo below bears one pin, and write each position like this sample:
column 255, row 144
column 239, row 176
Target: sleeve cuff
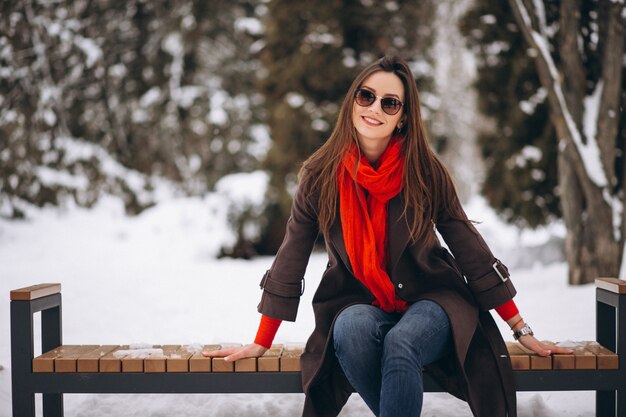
column 494, row 288
column 282, row 308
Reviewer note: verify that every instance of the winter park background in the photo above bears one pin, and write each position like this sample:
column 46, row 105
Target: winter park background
column 148, row 153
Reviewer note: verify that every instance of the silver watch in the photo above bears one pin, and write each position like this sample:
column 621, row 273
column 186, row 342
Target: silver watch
column 524, row 331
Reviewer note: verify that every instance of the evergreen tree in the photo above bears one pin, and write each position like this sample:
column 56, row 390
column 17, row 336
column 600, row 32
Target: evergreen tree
column 91, row 91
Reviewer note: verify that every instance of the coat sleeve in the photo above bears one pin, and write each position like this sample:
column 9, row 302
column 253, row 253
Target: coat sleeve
column 487, row 278
column 283, row 283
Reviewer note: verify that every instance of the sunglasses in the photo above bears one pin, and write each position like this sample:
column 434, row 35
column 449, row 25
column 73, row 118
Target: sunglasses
column 366, row 98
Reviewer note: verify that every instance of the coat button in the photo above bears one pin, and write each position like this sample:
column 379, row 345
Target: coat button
column 400, row 285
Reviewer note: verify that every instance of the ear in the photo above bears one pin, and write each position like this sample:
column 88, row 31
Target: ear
column 401, row 121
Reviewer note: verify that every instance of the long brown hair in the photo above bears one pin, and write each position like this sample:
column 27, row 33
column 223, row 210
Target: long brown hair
column 427, row 184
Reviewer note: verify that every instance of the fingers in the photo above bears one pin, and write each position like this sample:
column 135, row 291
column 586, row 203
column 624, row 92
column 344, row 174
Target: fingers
column 236, row 353
column 543, row 349
column 240, row 354
column 530, row 342
column 220, row 353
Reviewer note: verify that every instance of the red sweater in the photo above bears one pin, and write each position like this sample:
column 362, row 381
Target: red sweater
column 269, row 326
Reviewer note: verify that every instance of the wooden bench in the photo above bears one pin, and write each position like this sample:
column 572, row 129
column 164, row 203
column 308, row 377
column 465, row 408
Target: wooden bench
column 597, row 366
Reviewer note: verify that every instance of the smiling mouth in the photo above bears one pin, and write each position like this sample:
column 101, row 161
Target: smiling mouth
column 370, row 121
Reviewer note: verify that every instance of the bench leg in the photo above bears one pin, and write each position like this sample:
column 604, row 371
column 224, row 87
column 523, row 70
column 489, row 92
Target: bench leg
column 52, row 405
column 605, row 403
column 23, row 404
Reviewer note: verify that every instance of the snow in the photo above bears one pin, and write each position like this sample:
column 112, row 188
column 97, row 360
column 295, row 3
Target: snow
column 251, row 25
column 52, row 177
column 294, row 99
column 76, row 150
column 261, row 141
column 617, row 208
column 592, row 110
column 91, row 50
column 217, row 114
column 150, row 97
column 532, row 153
column 527, row 154
column 245, row 188
column 622, row 274
column 160, row 271
column 138, row 352
column 488, row 19
column 183, row 96
column 528, row 106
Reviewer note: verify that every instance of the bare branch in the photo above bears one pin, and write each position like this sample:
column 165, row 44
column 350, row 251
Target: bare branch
column 566, row 126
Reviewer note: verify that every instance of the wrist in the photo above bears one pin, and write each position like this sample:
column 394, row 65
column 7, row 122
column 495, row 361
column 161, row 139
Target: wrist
column 516, row 322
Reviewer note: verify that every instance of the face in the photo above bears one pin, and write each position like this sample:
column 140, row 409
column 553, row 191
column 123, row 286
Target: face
column 374, row 127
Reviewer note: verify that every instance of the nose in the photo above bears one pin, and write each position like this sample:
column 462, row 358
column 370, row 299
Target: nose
column 376, row 105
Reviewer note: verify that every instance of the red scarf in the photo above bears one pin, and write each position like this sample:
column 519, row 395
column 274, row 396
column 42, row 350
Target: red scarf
column 365, row 227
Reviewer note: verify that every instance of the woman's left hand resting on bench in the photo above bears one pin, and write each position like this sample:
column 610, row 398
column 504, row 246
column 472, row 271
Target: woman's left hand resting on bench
column 234, row 353
column 530, row 342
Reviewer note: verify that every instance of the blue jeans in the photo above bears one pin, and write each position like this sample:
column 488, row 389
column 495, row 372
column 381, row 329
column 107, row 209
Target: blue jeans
column 382, row 354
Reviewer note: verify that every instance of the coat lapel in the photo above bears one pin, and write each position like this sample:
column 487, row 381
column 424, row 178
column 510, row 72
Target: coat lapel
column 336, row 239
column 397, row 230
column 397, row 234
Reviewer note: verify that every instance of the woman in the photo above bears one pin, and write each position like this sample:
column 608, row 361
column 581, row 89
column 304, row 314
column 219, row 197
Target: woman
column 392, row 300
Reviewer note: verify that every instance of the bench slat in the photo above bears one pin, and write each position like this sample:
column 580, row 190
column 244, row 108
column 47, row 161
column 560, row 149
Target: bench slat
column 45, row 362
column 270, row 361
column 220, row 365
column 111, row 363
column 290, row 359
column 157, row 362
column 537, row 362
column 246, row 365
column 179, row 361
column 279, row 358
column 35, row 291
column 606, row 358
column 585, row 359
column 200, row 363
column 90, row 362
column 615, row 285
column 67, row 360
column 133, row 363
column 519, row 359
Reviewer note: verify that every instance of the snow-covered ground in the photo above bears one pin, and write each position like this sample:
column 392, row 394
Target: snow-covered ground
column 154, row 279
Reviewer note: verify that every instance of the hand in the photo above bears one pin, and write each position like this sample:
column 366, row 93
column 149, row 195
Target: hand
column 232, row 354
column 542, row 349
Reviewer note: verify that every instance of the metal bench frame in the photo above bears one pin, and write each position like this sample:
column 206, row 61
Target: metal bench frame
column 610, row 385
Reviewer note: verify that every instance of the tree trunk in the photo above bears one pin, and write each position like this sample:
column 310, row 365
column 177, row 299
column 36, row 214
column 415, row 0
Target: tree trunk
column 591, row 202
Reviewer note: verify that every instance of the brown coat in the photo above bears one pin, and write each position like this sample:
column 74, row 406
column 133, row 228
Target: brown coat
column 479, row 372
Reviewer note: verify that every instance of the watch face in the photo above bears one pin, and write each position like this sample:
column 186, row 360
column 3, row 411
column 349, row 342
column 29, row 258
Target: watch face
column 524, row 331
